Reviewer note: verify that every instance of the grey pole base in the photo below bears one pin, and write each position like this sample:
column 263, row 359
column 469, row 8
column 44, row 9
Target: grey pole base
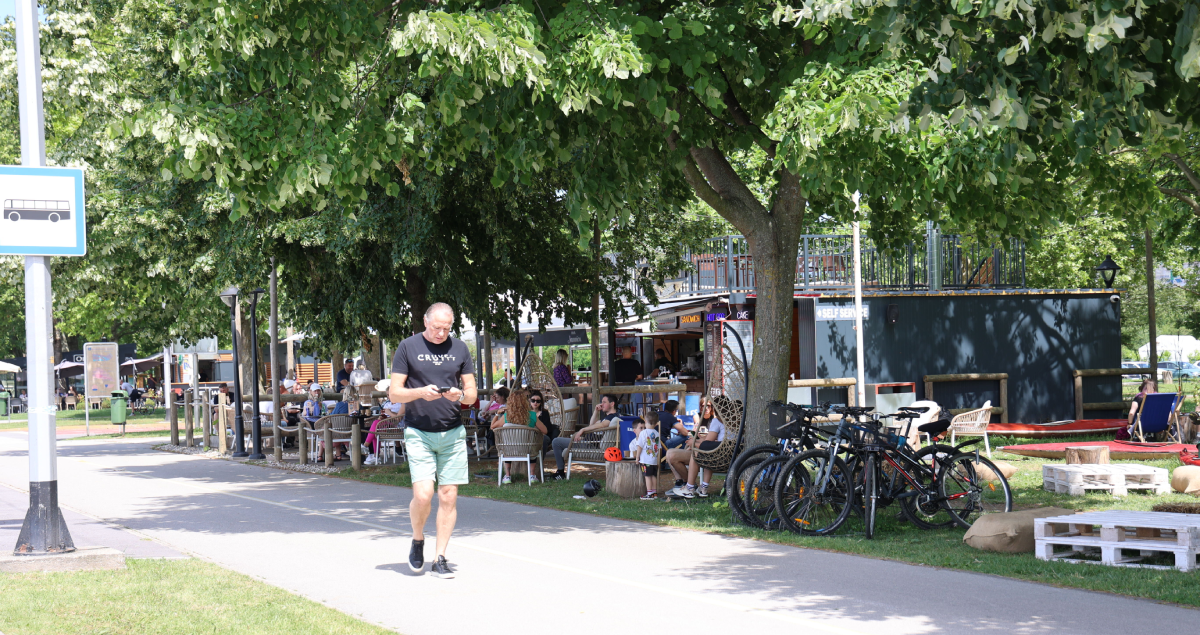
column 45, row 529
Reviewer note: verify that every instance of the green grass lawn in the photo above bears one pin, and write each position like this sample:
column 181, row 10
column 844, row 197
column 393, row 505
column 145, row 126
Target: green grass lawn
column 64, row 418
column 161, row 597
column 895, row 540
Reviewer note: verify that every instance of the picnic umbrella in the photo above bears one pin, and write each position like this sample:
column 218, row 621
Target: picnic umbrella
column 138, row 365
column 67, row 368
column 6, row 367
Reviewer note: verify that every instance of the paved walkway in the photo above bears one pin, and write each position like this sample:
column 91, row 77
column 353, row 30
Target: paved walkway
column 531, row 570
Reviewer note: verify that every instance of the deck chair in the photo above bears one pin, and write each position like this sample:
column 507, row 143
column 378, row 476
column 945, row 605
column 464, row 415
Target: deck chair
column 973, row 422
column 1155, row 414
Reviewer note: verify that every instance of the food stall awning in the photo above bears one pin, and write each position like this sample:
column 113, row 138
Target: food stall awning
column 555, row 337
column 138, row 365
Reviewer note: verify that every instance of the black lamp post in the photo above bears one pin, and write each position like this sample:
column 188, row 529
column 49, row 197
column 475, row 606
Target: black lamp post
column 230, row 297
column 256, row 424
column 1108, row 271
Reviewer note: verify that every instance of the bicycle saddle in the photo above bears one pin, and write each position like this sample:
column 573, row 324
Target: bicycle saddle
column 918, row 409
column 935, row 427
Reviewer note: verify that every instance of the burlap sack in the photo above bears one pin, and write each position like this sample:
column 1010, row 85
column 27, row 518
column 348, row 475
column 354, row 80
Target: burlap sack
column 985, row 473
column 1008, row 533
column 1186, row 479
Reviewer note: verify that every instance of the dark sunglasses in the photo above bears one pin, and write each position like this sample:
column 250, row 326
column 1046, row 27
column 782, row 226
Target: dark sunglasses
column 535, row 401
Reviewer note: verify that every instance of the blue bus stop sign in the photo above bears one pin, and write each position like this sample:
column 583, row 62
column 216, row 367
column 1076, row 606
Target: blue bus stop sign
column 42, row 211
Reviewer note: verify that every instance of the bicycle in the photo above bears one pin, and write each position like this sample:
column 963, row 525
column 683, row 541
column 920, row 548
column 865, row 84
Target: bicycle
column 817, row 489
column 792, row 425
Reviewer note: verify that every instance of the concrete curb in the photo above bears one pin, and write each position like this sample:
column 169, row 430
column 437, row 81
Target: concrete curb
column 82, row 559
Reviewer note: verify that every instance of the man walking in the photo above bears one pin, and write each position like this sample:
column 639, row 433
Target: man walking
column 426, row 372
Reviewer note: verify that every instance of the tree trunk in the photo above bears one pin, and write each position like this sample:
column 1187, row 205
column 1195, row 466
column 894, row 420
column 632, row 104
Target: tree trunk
column 245, row 352
column 1087, row 454
column 418, row 298
column 772, row 236
column 372, row 358
column 774, row 253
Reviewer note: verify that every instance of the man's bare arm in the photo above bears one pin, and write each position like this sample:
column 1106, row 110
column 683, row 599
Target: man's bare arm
column 399, row 394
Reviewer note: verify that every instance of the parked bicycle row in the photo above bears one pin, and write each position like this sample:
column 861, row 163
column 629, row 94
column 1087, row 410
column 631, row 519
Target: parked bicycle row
column 823, row 469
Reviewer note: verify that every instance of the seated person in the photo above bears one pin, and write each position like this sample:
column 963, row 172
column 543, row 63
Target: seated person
column 501, row 398
column 311, row 412
column 387, row 411
column 678, row 458
column 522, row 414
column 645, row 449
column 605, row 416
column 538, row 403
column 1149, row 386
column 671, row 430
column 223, row 389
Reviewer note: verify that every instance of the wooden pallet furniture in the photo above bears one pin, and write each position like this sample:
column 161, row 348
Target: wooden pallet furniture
column 1119, row 538
column 1078, row 479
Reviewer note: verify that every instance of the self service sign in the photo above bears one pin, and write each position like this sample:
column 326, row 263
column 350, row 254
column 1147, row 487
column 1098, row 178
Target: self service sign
column 42, row 211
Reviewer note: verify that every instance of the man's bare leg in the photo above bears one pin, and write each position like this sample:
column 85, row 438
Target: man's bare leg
column 447, row 515
column 418, row 508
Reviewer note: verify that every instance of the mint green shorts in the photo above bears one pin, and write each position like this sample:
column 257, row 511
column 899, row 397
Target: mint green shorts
column 440, row 456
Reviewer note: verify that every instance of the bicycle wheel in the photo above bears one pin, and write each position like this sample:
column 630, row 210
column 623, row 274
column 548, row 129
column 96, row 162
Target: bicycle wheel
column 814, row 495
column 924, row 508
column 760, row 496
column 966, row 494
column 870, row 493
column 739, row 472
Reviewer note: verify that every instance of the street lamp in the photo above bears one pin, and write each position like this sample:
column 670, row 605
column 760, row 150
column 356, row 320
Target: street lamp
column 230, row 297
column 256, row 423
column 1108, row 270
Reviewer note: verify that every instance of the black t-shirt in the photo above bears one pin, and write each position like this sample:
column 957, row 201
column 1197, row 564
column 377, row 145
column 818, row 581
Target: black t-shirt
column 625, row 371
column 429, row 364
column 666, row 422
column 663, row 362
column 342, row 374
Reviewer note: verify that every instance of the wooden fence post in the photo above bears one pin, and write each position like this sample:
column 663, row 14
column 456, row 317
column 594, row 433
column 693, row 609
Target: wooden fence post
column 172, row 417
column 356, row 446
column 189, row 417
column 1078, row 395
column 1004, row 399
column 328, row 434
column 222, row 423
column 302, row 440
column 206, row 424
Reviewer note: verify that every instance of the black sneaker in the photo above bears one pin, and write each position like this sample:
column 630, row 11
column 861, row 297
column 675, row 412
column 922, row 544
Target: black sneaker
column 441, row 568
column 416, row 556
column 560, row 476
column 680, row 482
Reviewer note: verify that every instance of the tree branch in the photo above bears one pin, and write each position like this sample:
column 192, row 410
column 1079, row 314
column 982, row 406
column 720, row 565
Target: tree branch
column 1188, row 173
column 742, row 118
column 1183, row 196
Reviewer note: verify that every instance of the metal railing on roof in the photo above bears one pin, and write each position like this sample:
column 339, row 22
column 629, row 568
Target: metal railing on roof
column 826, row 262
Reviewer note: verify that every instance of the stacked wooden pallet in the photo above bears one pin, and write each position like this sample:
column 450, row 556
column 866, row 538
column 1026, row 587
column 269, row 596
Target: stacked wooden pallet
column 1119, row 538
column 1075, row 480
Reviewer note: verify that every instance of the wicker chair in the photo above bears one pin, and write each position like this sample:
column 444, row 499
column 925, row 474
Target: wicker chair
column 719, row 458
column 568, row 419
column 340, row 424
column 519, row 444
column 389, row 434
column 589, row 450
column 973, row 422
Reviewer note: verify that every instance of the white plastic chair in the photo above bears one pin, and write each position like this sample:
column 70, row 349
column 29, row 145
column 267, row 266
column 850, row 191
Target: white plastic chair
column 929, row 416
column 973, row 422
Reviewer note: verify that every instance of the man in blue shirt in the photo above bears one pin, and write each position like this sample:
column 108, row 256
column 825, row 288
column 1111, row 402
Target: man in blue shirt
column 670, row 429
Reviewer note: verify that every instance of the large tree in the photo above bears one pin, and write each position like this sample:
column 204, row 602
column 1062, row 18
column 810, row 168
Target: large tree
column 314, row 103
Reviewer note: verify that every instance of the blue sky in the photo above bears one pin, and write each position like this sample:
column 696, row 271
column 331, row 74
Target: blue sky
column 6, row 9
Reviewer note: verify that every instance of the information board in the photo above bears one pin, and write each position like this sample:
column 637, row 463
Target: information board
column 41, row 211
column 101, row 369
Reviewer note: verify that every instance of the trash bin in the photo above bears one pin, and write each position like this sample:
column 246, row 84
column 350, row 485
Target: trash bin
column 4, row 403
column 118, row 404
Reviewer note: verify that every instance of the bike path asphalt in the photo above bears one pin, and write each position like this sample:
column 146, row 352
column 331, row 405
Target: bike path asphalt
column 525, row 569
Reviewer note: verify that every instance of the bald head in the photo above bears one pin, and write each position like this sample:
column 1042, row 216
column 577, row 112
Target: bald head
column 439, row 318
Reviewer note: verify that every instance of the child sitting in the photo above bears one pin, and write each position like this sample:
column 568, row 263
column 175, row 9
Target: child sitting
column 645, row 449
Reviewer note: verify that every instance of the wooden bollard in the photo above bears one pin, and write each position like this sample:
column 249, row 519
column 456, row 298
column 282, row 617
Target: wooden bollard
column 206, row 424
column 172, row 417
column 356, row 446
column 328, row 445
column 189, row 417
column 222, row 423
column 302, row 441
column 277, row 440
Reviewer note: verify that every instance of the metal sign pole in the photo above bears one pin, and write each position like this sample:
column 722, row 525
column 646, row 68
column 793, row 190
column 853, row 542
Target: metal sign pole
column 44, row 530
column 858, row 323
